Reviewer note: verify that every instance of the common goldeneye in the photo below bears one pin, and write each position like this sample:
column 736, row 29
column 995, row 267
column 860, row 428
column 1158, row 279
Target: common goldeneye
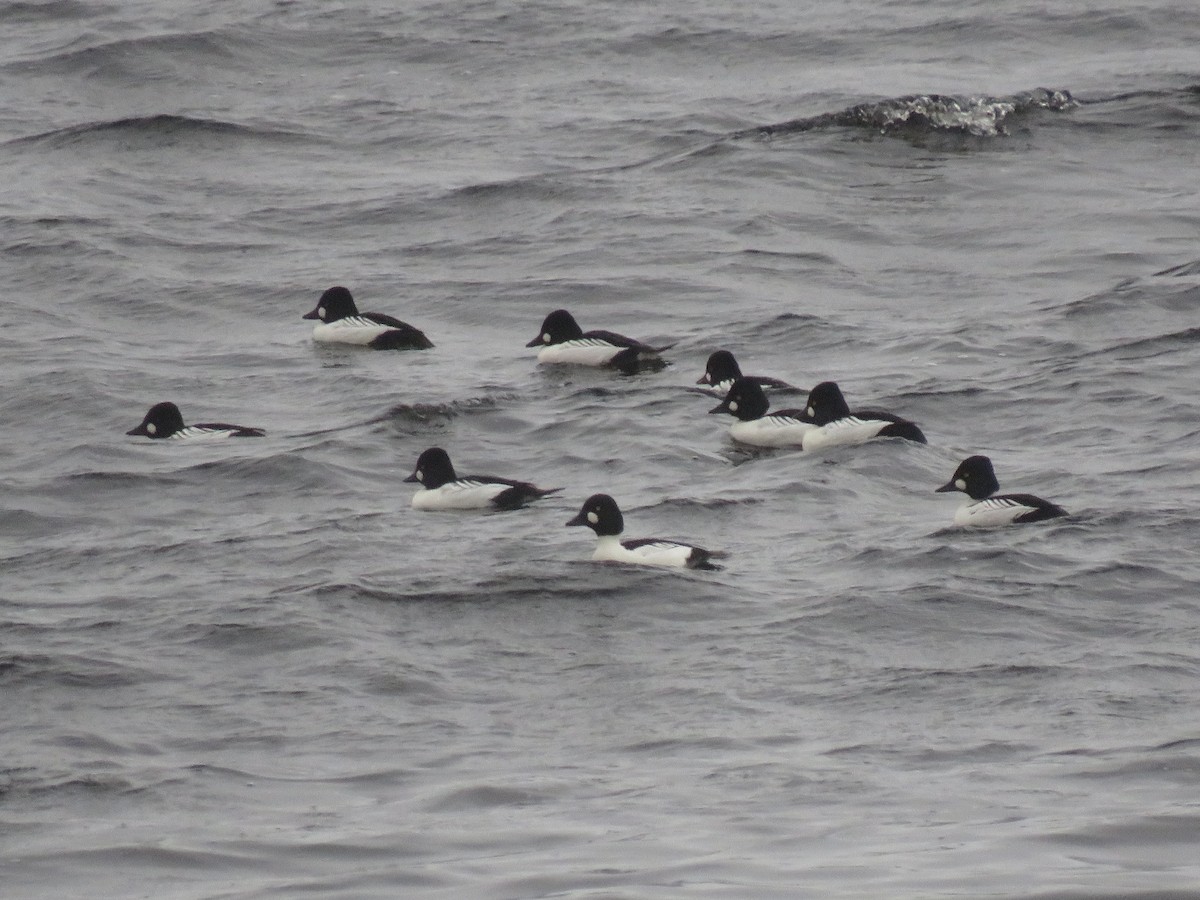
column 756, row 426
column 563, row 341
column 340, row 322
column 441, row 488
column 165, row 421
column 976, row 478
column 722, row 370
column 601, row 514
column 839, row 426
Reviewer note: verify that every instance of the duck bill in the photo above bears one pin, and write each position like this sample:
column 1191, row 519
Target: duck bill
column 720, row 408
column 140, row 431
column 947, row 487
column 704, row 379
column 412, row 478
column 580, row 519
column 311, row 315
column 535, row 342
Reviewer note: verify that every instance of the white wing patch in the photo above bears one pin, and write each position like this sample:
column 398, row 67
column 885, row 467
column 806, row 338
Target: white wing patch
column 357, row 322
column 785, row 421
column 580, row 352
column 989, row 512
column 195, row 433
column 465, row 493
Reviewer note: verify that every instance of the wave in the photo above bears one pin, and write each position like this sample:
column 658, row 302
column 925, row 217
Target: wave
column 1182, row 270
column 509, row 581
column 162, row 128
column 54, row 11
column 1152, row 347
column 928, row 113
column 74, row 670
column 137, row 57
column 423, row 413
column 910, row 115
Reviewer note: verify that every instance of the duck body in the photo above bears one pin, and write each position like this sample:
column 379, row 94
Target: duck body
column 601, row 513
column 756, row 425
column 722, row 370
column 562, row 341
column 651, row 552
column 976, row 477
column 340, row 322
column 442, row 489
column 837, row 426
column 164, row 421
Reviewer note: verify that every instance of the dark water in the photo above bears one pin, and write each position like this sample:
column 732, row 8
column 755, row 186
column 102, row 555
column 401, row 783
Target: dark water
column 249, row 669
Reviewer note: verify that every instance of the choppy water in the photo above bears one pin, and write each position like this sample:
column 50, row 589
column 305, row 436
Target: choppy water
column 250, row 670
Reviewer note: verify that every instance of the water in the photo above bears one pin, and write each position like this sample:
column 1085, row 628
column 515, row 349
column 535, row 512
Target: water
column 251, row 670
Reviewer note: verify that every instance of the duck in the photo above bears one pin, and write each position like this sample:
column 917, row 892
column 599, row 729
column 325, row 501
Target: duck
column 976, row 477
column 756, row 426
column 164, row 421
column 838, row 426
column 441, row 488
column 601, row 514
column 563, row 341
column 340, row 322
column 722, row 370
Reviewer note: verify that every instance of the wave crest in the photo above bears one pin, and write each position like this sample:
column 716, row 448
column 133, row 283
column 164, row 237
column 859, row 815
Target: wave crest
column 929, row 113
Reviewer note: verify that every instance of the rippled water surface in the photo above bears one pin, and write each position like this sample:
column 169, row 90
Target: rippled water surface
column 249, row 669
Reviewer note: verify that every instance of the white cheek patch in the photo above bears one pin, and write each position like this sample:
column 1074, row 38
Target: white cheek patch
column 321, row 312
column 812, row 413
column 960, row 483
column 420, row 476
column 733, row 406
column 152, row 428
column 546, row 338
column 593, row 518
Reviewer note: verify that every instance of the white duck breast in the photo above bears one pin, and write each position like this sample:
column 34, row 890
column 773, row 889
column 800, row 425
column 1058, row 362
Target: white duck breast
column 580, row 352
column 466, row 493
column 609, row 548
column 771, row 431
column 351, row 330
column 843, row 432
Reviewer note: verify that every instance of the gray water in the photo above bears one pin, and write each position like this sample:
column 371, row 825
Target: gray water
column 249, row 669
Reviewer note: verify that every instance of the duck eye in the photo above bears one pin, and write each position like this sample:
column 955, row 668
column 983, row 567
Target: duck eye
column 960, row 483
column 152, row 428
column 733, row 406
column 593, row 518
